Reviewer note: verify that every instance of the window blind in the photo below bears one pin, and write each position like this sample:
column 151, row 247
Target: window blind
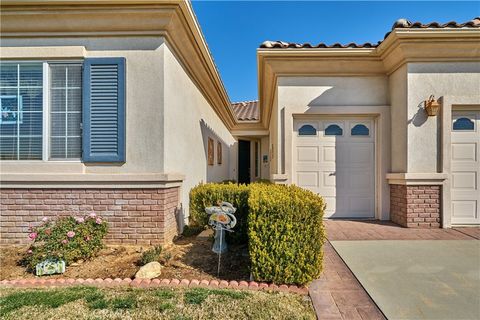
column 65, row 111
column 21, row 118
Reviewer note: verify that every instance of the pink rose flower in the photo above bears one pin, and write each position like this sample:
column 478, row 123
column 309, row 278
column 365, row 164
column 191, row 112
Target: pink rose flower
column 79, row 219
column 92, row 215
column 65, row 241
column 33, row 235
column 30, row 251
column 70, row 234
column 87, row 238
column 98, row 221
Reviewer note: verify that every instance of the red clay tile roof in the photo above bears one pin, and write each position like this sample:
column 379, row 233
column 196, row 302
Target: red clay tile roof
column 400, row 23
column 246, row 110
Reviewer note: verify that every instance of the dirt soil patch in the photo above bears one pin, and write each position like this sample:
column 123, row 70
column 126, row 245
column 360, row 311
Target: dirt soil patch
column 187, row 258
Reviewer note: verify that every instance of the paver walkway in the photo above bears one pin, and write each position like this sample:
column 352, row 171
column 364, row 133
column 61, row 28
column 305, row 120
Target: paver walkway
column 337, row 294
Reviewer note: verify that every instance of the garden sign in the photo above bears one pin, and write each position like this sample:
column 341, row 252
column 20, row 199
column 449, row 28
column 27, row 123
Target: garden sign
column 221, row 219
column 50, row 267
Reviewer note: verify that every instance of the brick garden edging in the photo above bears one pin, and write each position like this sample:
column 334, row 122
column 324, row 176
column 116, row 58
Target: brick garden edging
column 155, row 283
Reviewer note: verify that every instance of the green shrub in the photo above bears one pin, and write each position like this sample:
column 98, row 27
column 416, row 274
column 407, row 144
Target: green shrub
column 285, row 233
column 210, row 194
column 192, row 230
column 265, row 181
column 150, row 255
column 68, row 238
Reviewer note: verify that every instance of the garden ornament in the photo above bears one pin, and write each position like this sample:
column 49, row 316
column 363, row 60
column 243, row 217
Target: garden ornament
column 221, row 219
column 48, row 266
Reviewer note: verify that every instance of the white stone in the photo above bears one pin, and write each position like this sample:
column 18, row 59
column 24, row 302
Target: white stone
column 149, row 271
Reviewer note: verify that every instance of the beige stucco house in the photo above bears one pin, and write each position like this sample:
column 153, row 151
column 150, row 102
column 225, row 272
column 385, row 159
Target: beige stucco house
column 116, row 106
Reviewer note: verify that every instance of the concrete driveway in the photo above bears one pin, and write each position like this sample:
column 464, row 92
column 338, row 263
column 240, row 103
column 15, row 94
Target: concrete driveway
column 417, row 279
column 409, row 273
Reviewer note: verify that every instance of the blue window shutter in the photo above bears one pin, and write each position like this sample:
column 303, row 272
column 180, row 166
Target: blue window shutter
column 103, row 138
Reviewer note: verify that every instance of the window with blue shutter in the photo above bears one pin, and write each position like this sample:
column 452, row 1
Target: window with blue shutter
column 103, row 137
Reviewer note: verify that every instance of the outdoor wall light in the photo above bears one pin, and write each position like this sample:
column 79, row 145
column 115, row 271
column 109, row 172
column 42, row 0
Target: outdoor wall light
column 432, row 106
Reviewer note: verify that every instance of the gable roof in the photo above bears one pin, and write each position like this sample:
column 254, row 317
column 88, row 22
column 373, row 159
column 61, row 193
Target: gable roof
column 246, row 110
column 399, row 24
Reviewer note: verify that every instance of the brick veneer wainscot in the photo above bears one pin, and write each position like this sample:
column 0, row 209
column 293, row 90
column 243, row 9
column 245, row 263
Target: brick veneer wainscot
column 415, row 206
column 135, row 216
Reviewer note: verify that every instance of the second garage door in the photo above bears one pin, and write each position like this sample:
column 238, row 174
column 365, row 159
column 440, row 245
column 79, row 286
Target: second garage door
column 336, row 159
column 465, row 167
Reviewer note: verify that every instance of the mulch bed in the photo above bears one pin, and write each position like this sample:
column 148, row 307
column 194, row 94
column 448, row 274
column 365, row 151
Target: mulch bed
column 187, row 258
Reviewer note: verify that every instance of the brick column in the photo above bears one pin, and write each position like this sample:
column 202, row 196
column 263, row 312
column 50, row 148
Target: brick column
column 415, row 206
column 137, row 216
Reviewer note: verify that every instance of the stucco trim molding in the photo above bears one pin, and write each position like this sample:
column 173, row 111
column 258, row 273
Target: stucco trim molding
column 43, row 52
column 142, row 180
column 417, row 178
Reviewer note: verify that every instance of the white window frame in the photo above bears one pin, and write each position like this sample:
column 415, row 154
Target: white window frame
column 46, row 108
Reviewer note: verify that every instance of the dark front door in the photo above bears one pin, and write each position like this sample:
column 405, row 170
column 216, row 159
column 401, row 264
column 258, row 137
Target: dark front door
column 243, row 161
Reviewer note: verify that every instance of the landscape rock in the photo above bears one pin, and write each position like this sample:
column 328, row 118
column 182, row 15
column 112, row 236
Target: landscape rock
column 149, row 271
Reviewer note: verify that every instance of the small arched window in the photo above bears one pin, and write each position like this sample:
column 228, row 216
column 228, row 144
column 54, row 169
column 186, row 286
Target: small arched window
column 360, row 130
column 463, row 124
column 307, row 130
column 333, row 130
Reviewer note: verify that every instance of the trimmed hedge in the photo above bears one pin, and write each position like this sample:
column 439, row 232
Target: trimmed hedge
column 282, row 225
column 209, row 194
column 285, row 233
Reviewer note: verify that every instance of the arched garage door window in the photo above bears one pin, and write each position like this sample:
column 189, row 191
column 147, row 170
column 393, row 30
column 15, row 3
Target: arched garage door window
column 333, row 130
column 463, row 124
column 360, row 130
column 307, row 130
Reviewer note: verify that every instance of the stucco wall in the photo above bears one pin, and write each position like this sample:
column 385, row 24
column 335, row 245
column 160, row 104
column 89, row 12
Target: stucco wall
column 311, row 95
column 189, row 122
column 398, row 112
column 308, row 92
column 144, row 101
column 333, row 97
column 439, row 79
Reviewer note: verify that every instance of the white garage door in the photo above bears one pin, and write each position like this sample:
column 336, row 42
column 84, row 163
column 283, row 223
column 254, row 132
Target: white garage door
column 465, row 167
column 336, row 159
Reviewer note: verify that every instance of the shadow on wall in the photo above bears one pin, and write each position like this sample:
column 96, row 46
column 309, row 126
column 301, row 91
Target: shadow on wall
column 216, row 153
column 420, row 117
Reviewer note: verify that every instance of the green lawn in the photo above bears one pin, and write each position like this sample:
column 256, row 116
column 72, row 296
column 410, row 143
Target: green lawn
column 164, row 303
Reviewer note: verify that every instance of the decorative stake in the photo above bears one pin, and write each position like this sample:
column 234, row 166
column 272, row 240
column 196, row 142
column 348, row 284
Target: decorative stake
column 432, row 106
column 221, row 219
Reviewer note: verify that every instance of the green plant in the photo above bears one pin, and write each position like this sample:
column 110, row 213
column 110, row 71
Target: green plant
column 38, row 298
column 127, row 302
column 167, row 257
column 165, row 293
column 150, row 255
column 68, row 238
column 165, row 306
column 266, row 181
column 199, row 295
column 286, row 233
column 192, row 230
column 210, row 194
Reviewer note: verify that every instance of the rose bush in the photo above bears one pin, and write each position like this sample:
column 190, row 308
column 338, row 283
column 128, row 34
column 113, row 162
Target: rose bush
column 68, row 238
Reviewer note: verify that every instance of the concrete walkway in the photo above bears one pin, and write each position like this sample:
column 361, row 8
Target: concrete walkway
column 337, row 294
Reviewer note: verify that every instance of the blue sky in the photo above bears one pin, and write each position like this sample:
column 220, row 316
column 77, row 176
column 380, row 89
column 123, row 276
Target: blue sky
column 235, row 29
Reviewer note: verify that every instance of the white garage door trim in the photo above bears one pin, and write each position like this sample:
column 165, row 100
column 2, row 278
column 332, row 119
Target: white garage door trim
column 465, row 167
column 338, row 163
